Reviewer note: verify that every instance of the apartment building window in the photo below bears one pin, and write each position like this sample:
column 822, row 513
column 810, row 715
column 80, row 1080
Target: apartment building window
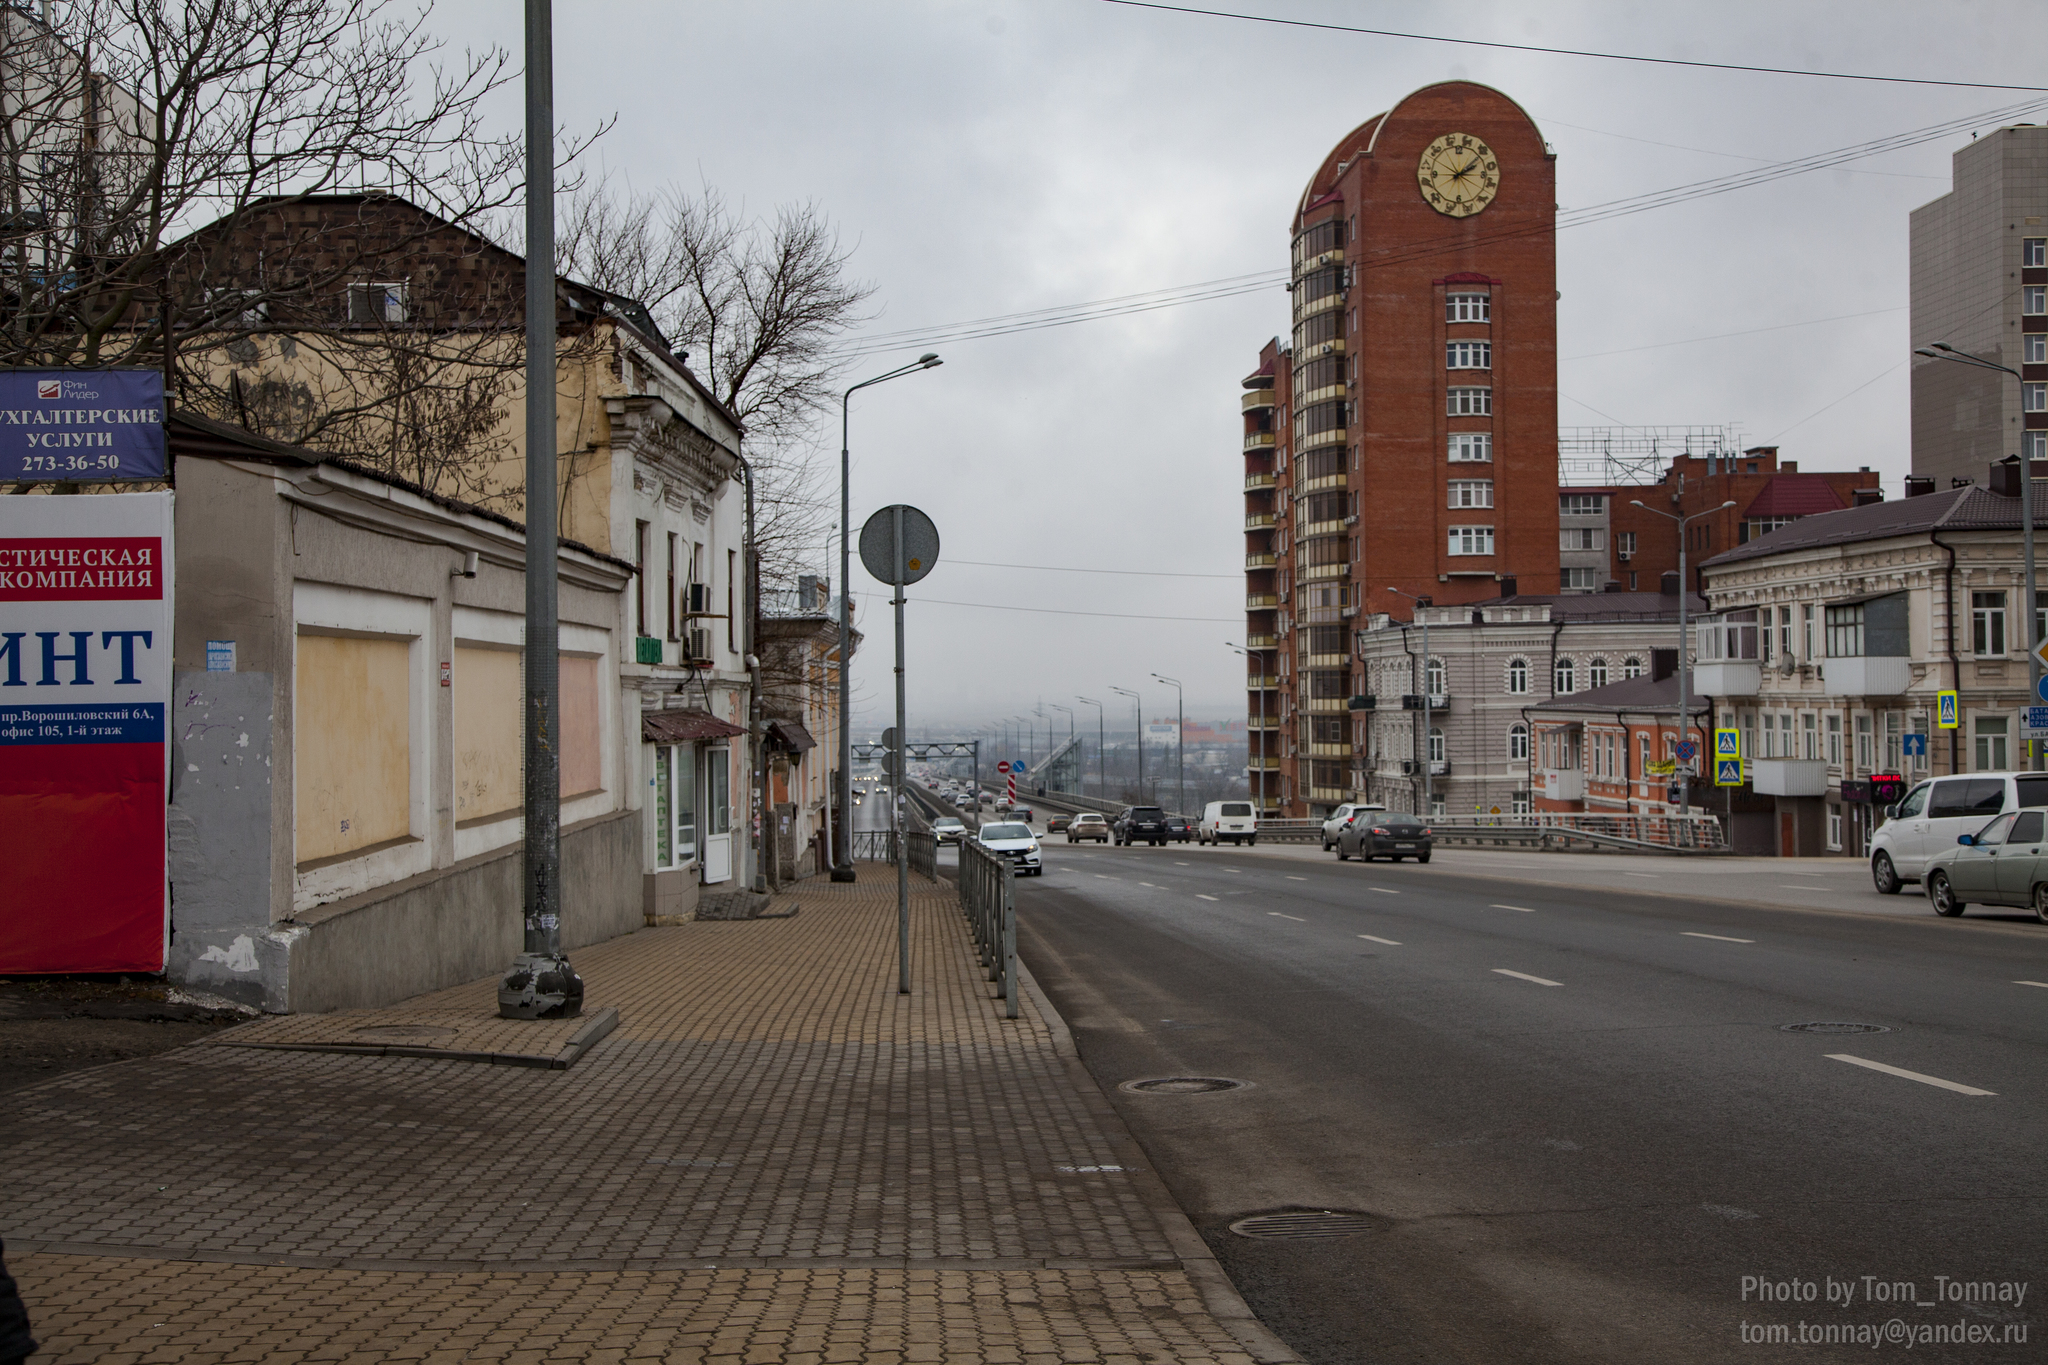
column 2034, row 397
column 1834, row 739
column 1834, row 827
column 1471, row 540
column 1643, row 754
column 1810, row 728
column 640, row 577
column 1987, row 623
column 1434, row 679
column 1471, row 492
column 1468, row 308
column 1436, row 744
column 672, row 594
column 732, row 576
column 1596, row 673
column 2034, row 300
column 1471, row 446
column 1471, row 402
column 377, row 301
column 1468, row 355
column 1581, row 504
column 1763, row 526
column 1625, row 542
column 1920, row 728
column 1894, row 727
column 1866, row 745
column 1564, row 677
column 2034, row 251
column 1518, row 743
column 2034, row 348
column 1518, row 677
column 1748, row 735
column 1845, row 632
column 1582, row 538
column 1806, row 631
column 1579, row 580
column 1785, row 631
column 1991, row 737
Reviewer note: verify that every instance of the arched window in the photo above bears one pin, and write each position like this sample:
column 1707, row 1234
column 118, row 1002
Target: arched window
column 1518, row 743
column 1596, row 673
column 1434, row 676
column 1518, row 677
column 1436, row 744
column 1631, row 667
column 1562, row 682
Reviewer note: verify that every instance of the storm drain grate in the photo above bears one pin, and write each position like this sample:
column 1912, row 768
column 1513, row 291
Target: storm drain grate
column 1184, row 1085
column 1824, row 1027
column 1301, row 1225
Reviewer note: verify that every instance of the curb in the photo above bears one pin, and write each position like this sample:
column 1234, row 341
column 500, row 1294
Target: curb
column 1199, row 1263
column 596, row 1027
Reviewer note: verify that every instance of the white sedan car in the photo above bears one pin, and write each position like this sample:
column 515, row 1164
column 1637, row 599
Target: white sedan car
column 1015, row 842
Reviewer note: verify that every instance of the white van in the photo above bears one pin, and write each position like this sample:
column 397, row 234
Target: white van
column 1231, row 820
column 1934, row 812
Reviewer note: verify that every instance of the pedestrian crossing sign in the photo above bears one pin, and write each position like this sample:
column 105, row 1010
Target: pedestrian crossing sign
column 1727, row 744
column 1727, row 772
column 1945, row 704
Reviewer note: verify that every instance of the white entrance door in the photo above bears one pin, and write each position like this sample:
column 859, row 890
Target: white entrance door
column 717, row 815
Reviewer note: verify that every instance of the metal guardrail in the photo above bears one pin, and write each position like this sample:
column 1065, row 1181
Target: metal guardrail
column 987, row 897
column 923, row 847
column 874, row 846
column 1683, row 834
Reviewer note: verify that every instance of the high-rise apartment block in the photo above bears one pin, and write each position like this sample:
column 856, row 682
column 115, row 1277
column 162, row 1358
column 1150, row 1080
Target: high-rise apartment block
column 1980, row 284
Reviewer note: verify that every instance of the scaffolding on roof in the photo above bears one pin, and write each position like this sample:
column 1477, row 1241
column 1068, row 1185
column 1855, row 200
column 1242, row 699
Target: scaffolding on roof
column 1592, row 457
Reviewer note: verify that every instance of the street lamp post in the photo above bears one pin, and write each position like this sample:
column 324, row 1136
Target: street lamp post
column 1258, row 657
column 1070, row 722
column 1684, row 669
column 1140, row 706
column 842, row 864
column 1941, row 350
column 1101, row 751
column 1428, row 810
column 1180, row 778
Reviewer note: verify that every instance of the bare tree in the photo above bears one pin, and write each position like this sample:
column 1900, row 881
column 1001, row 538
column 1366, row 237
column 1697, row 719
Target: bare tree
column 758, row 302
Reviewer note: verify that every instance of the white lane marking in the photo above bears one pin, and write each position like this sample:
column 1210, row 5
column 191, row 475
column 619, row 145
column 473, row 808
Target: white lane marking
column 1106, row 877
column 1296, row 918
column 1233, row 869
column 1654, row 876
column 1178, row 863
column 1524, row 976
column 1200, row 897
column 2042, row 984
column 1908, row 1075
column 1523, row 908
column 1384, row 890
column 1806, row 886
column 1375, row 938
column 1292, row 878
column 1718, row 938
column 1148, row 884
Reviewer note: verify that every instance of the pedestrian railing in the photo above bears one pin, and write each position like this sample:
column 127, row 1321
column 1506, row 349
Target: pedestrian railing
column 987, row 897
column 1564, row 829
column 874, row 845
column 923, row 848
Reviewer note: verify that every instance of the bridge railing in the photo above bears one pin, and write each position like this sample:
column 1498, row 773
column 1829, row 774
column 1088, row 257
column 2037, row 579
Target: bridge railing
column 988, row 899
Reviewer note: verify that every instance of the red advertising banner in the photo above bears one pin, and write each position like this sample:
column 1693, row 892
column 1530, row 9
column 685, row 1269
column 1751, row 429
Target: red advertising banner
column 85, row 690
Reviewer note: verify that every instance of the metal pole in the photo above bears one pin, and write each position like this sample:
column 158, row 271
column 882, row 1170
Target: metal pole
column 896, row 799
column 842, row 856
column 1428, row 810
column 540, row 984
column 2029, row 632
column 1684, row 682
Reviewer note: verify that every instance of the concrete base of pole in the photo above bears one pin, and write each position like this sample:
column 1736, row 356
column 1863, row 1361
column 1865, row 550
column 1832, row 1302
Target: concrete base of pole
column 538, row 986
column 843, row 874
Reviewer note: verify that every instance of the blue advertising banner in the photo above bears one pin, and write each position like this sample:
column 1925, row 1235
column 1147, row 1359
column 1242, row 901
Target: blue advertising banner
column 81, row 426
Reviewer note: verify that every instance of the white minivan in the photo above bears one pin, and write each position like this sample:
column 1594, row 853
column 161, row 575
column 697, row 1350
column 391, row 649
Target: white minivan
column 1231, row 820
column 1933, row 813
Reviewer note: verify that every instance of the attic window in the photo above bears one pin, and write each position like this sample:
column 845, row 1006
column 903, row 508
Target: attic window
column 375, row 301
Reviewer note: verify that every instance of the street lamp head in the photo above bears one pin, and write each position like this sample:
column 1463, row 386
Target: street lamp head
column 1922, row 350
column 1636, row 502
column 1729, row 503
column 930, row 359
column 1943, row 346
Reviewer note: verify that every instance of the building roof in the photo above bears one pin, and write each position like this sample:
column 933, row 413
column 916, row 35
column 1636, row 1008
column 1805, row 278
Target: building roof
column 1955, row 509
column 791, row 735
column 1643, row 694
column 1601, row 606
column 1795, row 495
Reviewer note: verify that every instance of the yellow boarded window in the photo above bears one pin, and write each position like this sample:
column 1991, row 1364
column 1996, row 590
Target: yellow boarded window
column 352, row 726
column 582, row 743
column 487, row 739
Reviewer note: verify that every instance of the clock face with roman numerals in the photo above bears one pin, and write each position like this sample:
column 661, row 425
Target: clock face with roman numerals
column 1459, row 175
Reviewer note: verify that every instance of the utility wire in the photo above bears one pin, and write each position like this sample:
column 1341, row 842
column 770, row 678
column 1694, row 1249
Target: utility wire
column 1722, row 336
column 1562, row 51
column 1056, row 611
column 1059, row 568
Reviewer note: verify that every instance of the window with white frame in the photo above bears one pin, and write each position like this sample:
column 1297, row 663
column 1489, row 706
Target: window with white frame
column 1834, row 739
column 1625, row 543
column 1465, row 402
column 1468, row 447
column 1810, row 729
column 2035, row 444
column 1834, row 827
column 1523, row 804
column 1866, row 744
column 1471, row 540
column 1992, row 733
column 2034, row 397
column 1596, row 673
column 1578, row 580
column 2034, row 348
column 1468, row 308
column 2034, row 251
column 2034, row 300
column 1471, row 492
column 1433, row 679
column 1581, row 504
column 1763, row 526
column 1987, row 623
column 377, row 301
column 1785, row 631
column 1631, row 667
column 1468, row 355
column 1809, row 638
column 1436, row 744
column 1518, row 677
column 1582, row 538
column 1518, row 743
column 1894, row 727
column 1564, row 678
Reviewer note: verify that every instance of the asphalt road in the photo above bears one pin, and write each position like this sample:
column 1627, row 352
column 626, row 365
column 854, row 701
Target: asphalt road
column 1572, row 1117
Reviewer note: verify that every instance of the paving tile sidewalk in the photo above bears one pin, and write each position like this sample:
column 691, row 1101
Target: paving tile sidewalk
column 774, row 1157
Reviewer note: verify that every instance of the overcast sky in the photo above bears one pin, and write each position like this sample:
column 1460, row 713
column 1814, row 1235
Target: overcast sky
column 1007, row 155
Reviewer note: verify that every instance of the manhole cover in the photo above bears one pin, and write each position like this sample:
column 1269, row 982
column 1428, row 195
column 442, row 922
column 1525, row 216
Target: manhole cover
column 1304, row 1225
column 406, row 1033
column 1184, row 1085
column 1833, row 1028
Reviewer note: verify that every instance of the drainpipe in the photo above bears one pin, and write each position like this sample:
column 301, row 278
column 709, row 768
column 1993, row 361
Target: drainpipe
column 751, row 597
column 1414, row 791
column 1628, row 781
column 1955, row 664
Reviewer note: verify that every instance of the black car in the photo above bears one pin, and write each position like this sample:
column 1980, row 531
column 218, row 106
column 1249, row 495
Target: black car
column 1384, row 833
column 1141, row 825
column 1179, row 828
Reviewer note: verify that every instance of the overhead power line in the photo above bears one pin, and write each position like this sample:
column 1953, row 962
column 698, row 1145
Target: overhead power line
column 1057, row 611
column 1563, row 51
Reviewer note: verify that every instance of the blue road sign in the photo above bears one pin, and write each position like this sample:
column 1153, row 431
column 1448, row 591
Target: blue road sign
column 1913, row 745
column 1687, row 751
column 1017, row 767
column 1727, row 772
column 2041, row 687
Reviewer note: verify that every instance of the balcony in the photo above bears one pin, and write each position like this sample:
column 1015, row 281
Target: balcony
column 1261, row 682
column 1321, row 750
column 1258, row 400
column 1412, row 701
column 1258, row 521
column 1261, row 601
column 1325, row 706
column 1561, row 784
column 1866, row 676
column 1269, row 765
column 1310, row 530
column 1321, row 483
column 1789, row 776
column 1258, row 442
column 1261, row 561
column 1439, row 767
column 1316, row 573
column 1258, row 482
column 1364, row 702
column 1261, row 642
column 1333, row 795
column 1729, row 678
column 1262, row 723
column 1324, row 661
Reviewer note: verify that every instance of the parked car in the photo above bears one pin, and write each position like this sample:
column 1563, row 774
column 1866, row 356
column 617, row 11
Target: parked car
column 947, row 829
column 1141, row 824
column 1088, row 825
column 1179, row 829
column 1390, row 834
column 1341, row 817
column 1015, row 842
column 2003, row 863
column 1934, row 813
column 1058, row 823
column 1228, row 820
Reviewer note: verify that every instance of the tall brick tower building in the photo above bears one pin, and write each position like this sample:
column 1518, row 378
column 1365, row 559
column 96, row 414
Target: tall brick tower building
column 1407, row 439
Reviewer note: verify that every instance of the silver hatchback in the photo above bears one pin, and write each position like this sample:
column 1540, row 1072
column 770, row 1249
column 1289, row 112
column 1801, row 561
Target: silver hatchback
column 2004, row 863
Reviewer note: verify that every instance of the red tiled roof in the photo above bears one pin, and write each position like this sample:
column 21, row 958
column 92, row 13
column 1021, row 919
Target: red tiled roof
column 1795, row 495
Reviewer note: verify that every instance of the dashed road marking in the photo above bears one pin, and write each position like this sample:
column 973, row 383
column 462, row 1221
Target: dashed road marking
column 1296, row 918
column 1178, row 863
column 1654, row 876
column 1809, row 886
column 1384, row 890
column 1523, row 908
column 2042, row 984
column 1200, row 897
column 1524, row 976
column 1718, row 938
column 1155, row 888
column 1904, row 1074
column 1375, row 938
column 1292, row 878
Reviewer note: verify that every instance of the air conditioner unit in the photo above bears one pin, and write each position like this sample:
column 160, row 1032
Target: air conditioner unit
column 1625, row 556
column 1409, row 767
column 700, row 644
